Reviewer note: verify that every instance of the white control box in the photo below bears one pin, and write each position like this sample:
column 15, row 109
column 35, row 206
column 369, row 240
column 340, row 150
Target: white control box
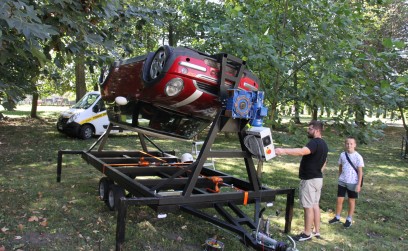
column 260, row 142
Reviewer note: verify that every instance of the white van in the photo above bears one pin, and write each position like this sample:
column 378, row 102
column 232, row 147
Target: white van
column 86, row 118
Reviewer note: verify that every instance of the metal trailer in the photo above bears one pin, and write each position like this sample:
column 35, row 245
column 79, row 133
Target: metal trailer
column 190, row 187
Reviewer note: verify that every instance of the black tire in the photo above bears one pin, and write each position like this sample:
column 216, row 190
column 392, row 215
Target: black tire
column 103, row 188
column 156, row 64
column 114, row 194
column 59, row 126
column 86, row 132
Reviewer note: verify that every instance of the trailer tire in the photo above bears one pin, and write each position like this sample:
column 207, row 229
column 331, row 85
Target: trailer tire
column 104, row 184
column 115, row 193
column 86, row 132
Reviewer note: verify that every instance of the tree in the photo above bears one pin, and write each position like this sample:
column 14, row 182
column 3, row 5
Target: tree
column 21, row 55
column 395, row 49
column 57, row 32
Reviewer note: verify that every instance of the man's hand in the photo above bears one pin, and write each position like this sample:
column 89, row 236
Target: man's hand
column 279, row 151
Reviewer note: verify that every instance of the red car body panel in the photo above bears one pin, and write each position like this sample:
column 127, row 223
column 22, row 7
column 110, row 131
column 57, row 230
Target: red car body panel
column 201, row 94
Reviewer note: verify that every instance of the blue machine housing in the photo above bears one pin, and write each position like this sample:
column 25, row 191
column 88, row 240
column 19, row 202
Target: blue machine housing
column 246, row 105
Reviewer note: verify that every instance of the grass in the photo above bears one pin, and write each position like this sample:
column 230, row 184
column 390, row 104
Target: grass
column 37, row 213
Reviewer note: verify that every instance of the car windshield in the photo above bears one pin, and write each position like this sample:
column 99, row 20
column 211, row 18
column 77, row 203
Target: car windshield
column 86, row 101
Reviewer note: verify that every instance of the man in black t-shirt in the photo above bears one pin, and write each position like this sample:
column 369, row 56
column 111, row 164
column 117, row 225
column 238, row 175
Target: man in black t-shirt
column 311, row 177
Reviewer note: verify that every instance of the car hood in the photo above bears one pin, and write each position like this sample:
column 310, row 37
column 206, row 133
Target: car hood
column 68, row 113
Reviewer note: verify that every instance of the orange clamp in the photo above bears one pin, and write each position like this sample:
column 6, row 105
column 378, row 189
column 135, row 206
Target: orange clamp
column 245, row 198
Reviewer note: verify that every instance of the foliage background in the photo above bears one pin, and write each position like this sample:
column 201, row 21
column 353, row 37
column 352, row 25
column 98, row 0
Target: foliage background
column 346, row 57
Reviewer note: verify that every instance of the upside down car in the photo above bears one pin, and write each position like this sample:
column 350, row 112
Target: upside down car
column 173, row 92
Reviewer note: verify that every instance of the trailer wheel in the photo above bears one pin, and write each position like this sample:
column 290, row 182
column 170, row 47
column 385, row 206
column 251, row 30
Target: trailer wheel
column 115, row 193
column 104, row 184
column 86, row 132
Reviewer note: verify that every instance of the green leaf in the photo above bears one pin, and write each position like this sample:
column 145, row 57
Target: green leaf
column 42, row 59
column 385, row 85
column 399, row 44
column 387, row 43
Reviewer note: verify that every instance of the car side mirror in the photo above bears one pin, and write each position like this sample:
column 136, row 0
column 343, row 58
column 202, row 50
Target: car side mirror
column 95, row 109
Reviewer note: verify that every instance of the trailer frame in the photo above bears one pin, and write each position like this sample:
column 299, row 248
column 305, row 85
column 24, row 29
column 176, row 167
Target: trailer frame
column 189, row 187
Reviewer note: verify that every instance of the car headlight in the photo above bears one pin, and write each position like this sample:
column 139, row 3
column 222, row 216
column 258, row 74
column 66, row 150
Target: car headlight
column 72, row 118
column 174, row 87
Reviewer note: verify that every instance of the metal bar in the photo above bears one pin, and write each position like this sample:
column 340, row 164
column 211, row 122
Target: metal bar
column 176, row 174
column 59, row 166
column 59, row 161
column 120, row 178
column 202, row 156
column 104, row 138
column 142, row 141
column 121, row 154
column 231, row 224
column 121, row 224
column 121, row 217
column 228, row 154
column 290, row 200
column 151, row 142
column 250, row 167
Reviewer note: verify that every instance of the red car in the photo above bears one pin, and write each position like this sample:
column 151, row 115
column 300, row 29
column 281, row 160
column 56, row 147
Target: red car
column 174, row 92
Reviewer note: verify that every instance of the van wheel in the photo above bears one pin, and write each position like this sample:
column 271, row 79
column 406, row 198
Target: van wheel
column 86, row 132
column 59, row 127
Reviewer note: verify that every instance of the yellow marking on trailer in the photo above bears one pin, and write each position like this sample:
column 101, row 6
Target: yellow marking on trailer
column 92, row 118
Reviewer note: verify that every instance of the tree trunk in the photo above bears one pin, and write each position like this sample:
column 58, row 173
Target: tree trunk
column 315, row 110
column 404, row 123
column 328, row 112
column 34, row 104
column 80, row 76
column 172, row 39
column 296, row 104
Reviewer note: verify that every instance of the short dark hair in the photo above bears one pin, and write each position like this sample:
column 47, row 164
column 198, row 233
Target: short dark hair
column 351, row 137
column 317, row 124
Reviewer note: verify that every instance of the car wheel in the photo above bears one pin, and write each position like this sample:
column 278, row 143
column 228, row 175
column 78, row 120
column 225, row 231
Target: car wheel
column 114, row 194
column 158, row 62
column 86, row 132
column 104, row 184
column 59, row 127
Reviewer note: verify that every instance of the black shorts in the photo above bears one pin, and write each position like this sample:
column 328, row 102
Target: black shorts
column 341, row 192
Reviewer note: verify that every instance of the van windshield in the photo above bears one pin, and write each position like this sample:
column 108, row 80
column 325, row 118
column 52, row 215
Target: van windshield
column 86, row 101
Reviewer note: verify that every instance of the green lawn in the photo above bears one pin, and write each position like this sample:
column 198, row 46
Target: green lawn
column 37, row 213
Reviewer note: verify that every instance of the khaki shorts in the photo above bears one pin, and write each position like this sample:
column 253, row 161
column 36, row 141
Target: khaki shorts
column 309, row 192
